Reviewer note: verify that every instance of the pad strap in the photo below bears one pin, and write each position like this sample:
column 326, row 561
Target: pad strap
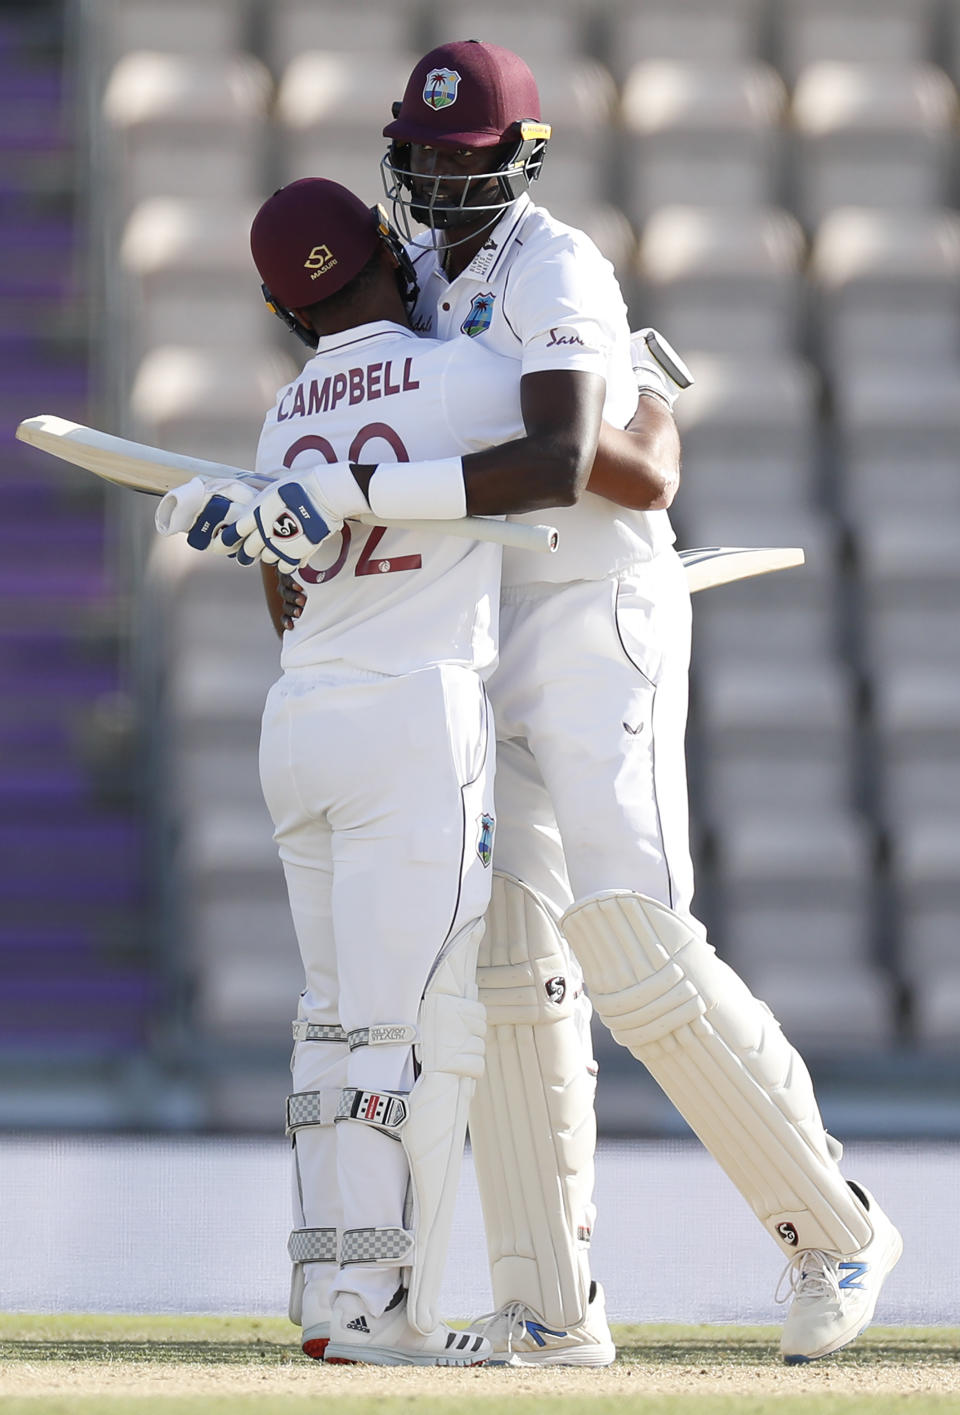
column 305, row 1108
column 312, row 1245
column 382, row 1034
column 384, row 1110
column 304, row 1031
column 376, row 1247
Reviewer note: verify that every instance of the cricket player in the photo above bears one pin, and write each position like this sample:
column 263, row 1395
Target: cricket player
column 592, row 854
column 376, row 762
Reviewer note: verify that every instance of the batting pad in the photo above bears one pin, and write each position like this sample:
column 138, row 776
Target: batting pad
column 318, row 1063
column 532, row 1123
column 430, row 1122
column 720, row 1056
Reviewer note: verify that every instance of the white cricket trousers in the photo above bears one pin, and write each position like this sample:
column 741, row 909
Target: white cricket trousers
column 590, row 698
column 381, row 794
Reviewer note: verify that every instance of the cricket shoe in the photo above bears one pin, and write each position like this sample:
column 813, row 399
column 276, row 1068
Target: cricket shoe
column 834, row 1299
column 315, row 1318
column 521, row 1338
column 359, row 1338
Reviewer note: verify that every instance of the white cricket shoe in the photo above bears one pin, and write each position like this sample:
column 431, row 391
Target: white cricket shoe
column 358, row 1338
column 315, row 1319
column 834, row 1298
column 315, row 1339
column 521, row 1338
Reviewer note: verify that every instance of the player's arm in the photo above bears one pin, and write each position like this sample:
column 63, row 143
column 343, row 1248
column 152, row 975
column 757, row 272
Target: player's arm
column 549, row 466
column 639, row 466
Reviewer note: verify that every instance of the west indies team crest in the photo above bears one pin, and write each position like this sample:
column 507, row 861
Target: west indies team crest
column 440, row 89
column 485, row 841
column 481, row 313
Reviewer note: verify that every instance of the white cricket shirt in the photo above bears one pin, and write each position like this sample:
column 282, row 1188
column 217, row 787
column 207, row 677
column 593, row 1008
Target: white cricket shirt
column 384, row 600
column 541, row 292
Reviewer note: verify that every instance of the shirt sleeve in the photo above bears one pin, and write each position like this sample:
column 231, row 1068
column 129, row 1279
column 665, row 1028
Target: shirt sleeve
column 563, row 300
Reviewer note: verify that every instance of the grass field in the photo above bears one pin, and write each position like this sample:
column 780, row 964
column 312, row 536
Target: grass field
column 104, row 1365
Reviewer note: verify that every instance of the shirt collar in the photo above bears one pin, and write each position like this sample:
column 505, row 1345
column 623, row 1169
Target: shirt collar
column 501, row 238
column 490, row 254
column 362, row 334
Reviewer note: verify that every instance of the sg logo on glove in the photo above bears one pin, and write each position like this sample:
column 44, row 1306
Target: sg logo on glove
column 285, row 526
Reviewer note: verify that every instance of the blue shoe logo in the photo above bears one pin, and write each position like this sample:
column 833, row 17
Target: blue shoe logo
column 538, row 1331
column 853, row 1271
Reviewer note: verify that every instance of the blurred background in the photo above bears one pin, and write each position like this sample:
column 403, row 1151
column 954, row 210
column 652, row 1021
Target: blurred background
column 777, row 184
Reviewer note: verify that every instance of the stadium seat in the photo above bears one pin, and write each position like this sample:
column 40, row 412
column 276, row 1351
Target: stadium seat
column 198, row 27
column 845, row 1010
column 191, row 277
column 188, row 125
column 898, row 425
column 722, row 281
column 790, row 935
column 189, row 400
column 543, row 33
column 871, row 135
column 789, row 766
column 296, row 27
column 701, row 133
column 881, row 31
column 925, row 868
column 330, row 125
column 578, row 98
column 708, row 31
column 751, row 438
column 886, row 284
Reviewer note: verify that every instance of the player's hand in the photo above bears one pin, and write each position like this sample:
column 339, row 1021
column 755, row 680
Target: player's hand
column 292, row 599
column 201, row 509
column 293, row 515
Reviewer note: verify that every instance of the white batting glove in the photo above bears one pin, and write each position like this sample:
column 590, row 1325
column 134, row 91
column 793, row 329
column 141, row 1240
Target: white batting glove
column 202, row 508
column 293, row 515
column 657, row 366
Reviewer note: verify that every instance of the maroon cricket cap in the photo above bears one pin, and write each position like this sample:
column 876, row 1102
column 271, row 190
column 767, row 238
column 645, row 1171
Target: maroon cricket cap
column 465, row 94
column 310, row 238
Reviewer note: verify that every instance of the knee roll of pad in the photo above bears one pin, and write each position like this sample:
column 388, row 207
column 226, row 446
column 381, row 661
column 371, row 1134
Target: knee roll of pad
column 720, row 1056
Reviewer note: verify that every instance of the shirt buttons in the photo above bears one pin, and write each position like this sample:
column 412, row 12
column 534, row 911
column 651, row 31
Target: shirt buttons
column 445, row 305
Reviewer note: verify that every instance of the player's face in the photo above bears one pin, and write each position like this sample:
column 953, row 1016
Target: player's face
column 447, row 181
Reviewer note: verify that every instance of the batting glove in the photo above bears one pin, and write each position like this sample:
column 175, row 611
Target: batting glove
column 657, row 367
column 293, row 515
column 201, row 509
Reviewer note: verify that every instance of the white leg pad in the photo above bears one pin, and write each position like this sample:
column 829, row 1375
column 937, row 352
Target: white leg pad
column 720, row 1056
column 430, row 1121
column 319, row 1066
column 532, row 1123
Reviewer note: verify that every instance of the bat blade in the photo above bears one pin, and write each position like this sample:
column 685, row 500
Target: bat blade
column 153, row 470
column 116, row 459
column 714, row 565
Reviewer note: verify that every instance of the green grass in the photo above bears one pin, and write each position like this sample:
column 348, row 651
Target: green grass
column 910, row 1371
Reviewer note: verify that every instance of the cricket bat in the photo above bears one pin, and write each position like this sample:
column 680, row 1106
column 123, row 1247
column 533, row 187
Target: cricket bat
column 713, row 565
column 152, row 470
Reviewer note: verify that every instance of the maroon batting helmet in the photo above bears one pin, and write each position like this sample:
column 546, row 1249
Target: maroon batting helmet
column 310, row 239
column 466, row 94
